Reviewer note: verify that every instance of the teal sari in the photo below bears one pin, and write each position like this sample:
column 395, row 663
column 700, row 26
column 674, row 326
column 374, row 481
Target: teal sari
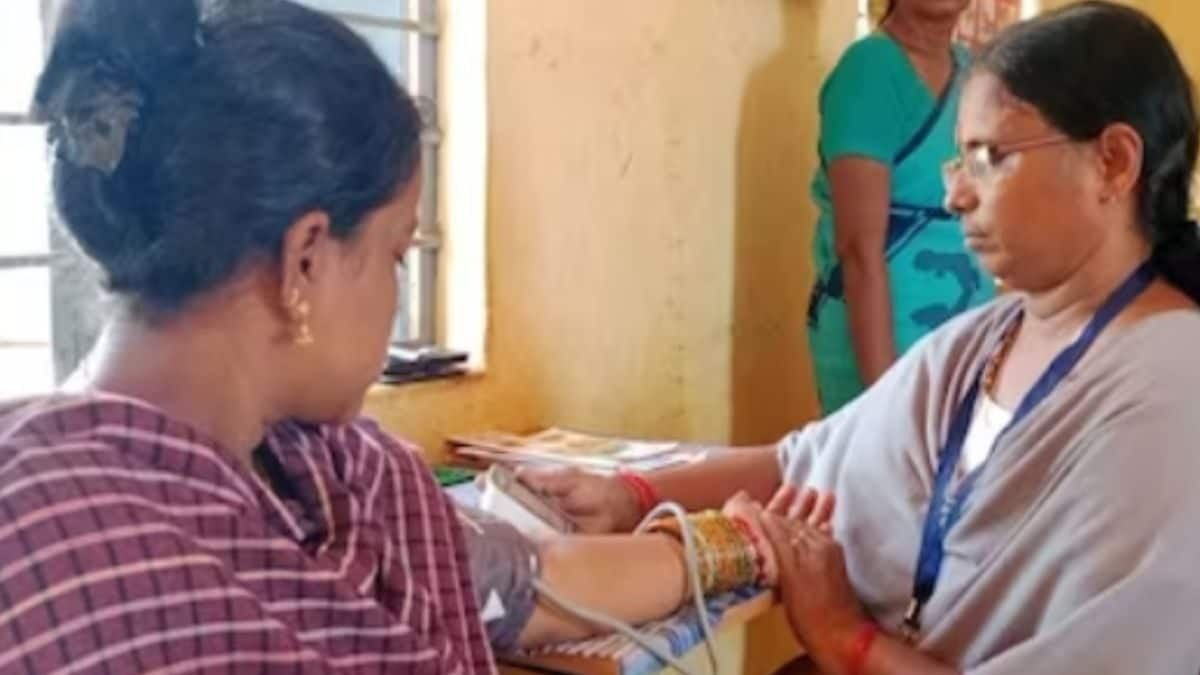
column 875, row 105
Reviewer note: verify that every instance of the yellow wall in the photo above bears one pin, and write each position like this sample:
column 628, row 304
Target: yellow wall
column 648, row 220
column 647, row 217
column 1180, row 18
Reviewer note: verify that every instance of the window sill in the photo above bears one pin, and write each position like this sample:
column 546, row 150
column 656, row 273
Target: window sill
column 386, row 387
column 417, row 378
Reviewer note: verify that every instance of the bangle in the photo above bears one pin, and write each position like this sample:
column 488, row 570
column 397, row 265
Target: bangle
column 760, row 561
column 725, row 556
column 856, row 656
column 645, row 494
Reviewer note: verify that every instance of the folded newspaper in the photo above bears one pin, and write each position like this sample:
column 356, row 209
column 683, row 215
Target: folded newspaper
column 573, row 448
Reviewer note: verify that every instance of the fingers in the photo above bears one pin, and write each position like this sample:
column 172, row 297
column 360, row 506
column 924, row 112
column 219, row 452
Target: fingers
column 822, row 513
column 560, row 487
column 591, row 525
column 803, row 507
column 812, row 506
column 743, row 506
column 551, row 482
column 783, row 499
column 778, row 531
column 578, row 502
column 796, row 536
column 740, row 501
column 808, row 538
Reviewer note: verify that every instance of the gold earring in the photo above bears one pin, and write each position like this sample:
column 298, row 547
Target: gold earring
column 304, row 336
column 300, row 311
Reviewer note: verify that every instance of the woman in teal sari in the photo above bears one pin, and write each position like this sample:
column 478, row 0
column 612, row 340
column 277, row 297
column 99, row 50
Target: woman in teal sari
column 890, row 261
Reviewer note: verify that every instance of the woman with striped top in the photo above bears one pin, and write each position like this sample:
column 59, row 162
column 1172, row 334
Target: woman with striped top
column 246, row 176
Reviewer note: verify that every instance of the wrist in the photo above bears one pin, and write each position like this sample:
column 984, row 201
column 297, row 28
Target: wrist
column 764, row 556
column 678, row 555
column 840, row 647
column 854, row 658
column 642, row 497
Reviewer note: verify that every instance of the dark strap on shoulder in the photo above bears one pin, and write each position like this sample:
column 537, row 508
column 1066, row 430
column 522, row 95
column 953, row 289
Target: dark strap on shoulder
column 927, row 126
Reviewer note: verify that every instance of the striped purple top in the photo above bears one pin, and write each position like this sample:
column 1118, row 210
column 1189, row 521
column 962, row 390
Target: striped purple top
column 129, row 543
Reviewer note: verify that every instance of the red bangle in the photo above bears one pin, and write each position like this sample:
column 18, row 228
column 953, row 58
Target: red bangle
column 856, row 657
column 760, row 561
column 647, row 497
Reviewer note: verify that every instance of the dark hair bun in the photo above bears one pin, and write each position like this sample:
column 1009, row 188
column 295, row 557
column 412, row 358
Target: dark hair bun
column 189, row 135
column 144, row 40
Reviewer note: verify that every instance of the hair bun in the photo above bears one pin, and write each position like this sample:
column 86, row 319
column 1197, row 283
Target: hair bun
column 107, row 59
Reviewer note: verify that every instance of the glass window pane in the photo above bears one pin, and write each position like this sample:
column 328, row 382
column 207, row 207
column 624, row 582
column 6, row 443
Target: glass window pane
column 21, row 35
column 27, row 370
column 24, row 191
column 24, row 308
column 382, row 9
column 396, row 48
column 390, row 45
column 402, row 321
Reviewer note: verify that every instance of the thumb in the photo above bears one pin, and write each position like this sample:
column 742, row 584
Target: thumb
column 739, row 502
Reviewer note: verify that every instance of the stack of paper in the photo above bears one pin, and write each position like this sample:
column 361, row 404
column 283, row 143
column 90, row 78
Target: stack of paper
column 572, row 448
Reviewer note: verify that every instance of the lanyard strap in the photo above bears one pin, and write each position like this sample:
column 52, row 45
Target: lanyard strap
column 944, row 508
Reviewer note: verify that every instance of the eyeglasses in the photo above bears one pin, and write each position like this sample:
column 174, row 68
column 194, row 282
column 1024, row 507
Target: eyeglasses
column 981, row 161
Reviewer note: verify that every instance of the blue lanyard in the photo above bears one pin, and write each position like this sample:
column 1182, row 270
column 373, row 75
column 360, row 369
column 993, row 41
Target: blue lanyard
column 945, row 509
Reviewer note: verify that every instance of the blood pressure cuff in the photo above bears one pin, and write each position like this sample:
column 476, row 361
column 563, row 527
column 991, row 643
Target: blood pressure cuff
column 504, row 564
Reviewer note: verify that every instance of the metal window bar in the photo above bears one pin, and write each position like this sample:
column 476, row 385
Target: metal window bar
column 70, row 298
column 422, row 26
column 425, row 55
column 420, row 307
column 14, row 262
column 11, row 119
column 10, row 262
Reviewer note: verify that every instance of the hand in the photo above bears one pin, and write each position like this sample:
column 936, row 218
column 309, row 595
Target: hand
column 598, row 504
column 808, row 505
column 820, row 603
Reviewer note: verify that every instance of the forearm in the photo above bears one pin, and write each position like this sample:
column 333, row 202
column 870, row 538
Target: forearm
column 708, row 484
column 869, row 305
column 634, row 579
column 861, row 191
